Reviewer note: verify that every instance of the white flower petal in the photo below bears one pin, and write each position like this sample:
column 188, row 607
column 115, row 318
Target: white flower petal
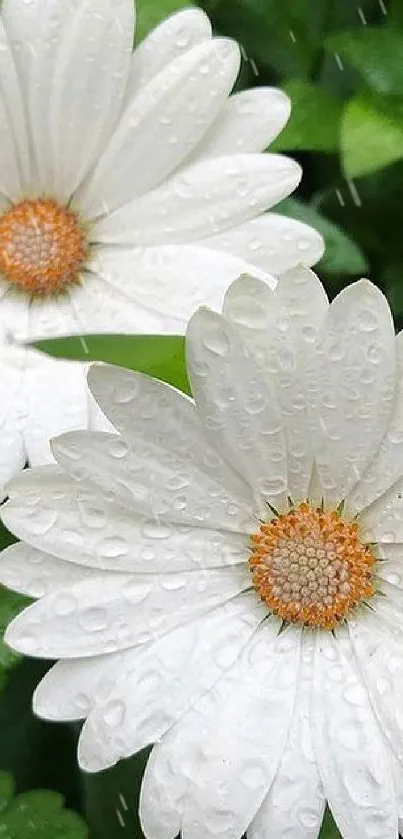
column 12, row 450
column 174, row 761
column 72, row 687
column 113, row 611
column 390, row 568
column 168, row 680
column 77, row 523
column 302, row 294
column 350, row 752
column 355, row 386
column 35, row 573
column 147, row 411
column 137, row 478
column 163, row 789
column 295, row 803
column 14, row 154
column 241, row 415
column 170, row 39
column 166, row 283
column 280, row 329
column 380, row 661
column 10, row 183
column 202, row 200
column 104, row 303
column 49, row 318
column 271, row 242
column 35, row 30
column 87, row 89
column 169, row 115
column 56, row 400
column 14, row 321
column 239, row 754
column 386, row 466
column 383, row 520
column 248, row 122
column 80, row 49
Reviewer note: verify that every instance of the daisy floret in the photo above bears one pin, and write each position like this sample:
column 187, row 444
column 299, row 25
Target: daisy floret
column 132, row 190
column 223, row 577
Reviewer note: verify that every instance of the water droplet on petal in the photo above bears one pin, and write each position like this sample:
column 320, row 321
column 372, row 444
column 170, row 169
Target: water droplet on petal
column 94, row 619
column 113, row 547
column 114, row 713
column 216, row 341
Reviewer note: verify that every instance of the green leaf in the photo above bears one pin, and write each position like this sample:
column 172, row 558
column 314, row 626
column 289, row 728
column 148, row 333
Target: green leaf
column 37, row 814
column 282, row 35
column 329, row 829
column 395, row 12
column 376, row 53
column 11, row 604
column 342, row 255
column 315, row 119
column 111, row 799
column 161, row 356
column 371, row 135
column 37, row 753
column 151, row 12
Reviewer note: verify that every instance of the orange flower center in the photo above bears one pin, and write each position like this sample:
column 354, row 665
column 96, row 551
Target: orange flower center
column 309, row 566
column 43, row 247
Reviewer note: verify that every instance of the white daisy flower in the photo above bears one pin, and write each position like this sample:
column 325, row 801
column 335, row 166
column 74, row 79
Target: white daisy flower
column 225, row 580
column 132, row 187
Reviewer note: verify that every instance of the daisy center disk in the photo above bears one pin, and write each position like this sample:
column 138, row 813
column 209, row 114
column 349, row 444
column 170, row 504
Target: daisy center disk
column 309, row 566
column 43, row 247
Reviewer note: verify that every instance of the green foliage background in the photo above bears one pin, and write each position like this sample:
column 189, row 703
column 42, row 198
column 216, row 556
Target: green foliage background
column 342, row 66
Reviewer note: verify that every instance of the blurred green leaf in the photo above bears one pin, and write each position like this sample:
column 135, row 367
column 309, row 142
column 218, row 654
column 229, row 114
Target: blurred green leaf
column 394, row 10
column 149, row 13
column 37, row 814
column 315, row 119
column 161, row 356
column 111, row 799
column 10, row 606
column 342, row 255
column 392, row 279
column 377, row 54
column 282, row 35
column 371, row 135
column 37, row 753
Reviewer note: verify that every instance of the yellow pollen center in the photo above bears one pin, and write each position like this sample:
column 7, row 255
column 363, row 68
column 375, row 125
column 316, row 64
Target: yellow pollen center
column 309, row 566
column 42, row 246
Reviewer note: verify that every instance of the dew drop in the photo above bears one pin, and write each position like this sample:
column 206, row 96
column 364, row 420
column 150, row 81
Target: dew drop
column 395, row 436
column 65, row 604
column 114, row 713
column 216, row 341
column 83, row 703
column 118, row 448
column 367, row 320
column 93, row 517
column 135, row 592
column 113, row 547
column 355, row 695
column 154, row 530
column 273, row 485
column 336, row 351
column 94, row 619
column 373, row 354
column 125, row 393
column 173, row 582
